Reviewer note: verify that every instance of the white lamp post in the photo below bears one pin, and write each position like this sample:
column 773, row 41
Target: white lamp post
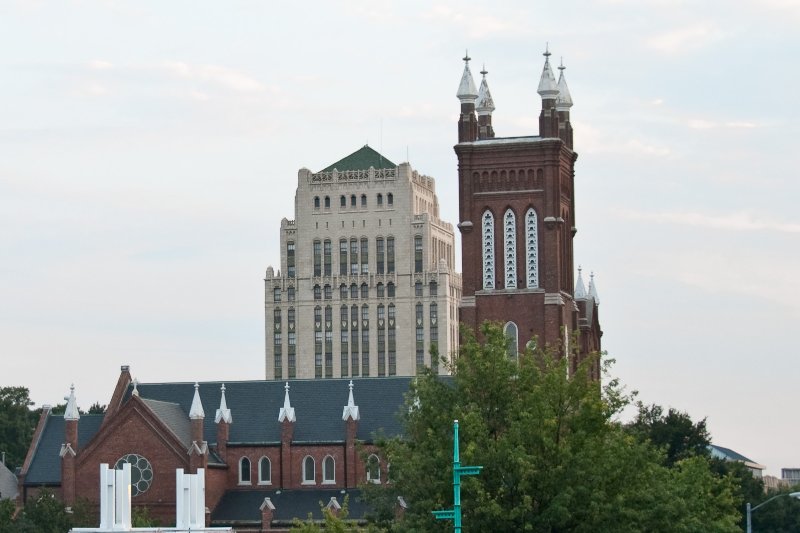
column 750, row 511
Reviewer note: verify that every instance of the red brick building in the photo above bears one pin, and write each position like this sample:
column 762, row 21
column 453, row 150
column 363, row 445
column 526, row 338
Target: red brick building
column 517, row 222
column 297, row 444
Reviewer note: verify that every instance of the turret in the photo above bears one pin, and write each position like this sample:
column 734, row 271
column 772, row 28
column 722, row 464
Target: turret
column 484, row 106
column 548, row 90
column 198, row 451
column 467, row 95
column 563, row 104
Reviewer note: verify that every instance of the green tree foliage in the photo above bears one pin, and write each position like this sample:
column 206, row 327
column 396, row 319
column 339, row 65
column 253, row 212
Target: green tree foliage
column 17, row 423
column 674, row 432
column 781, row 515
column 554, row 460
column 333, row 522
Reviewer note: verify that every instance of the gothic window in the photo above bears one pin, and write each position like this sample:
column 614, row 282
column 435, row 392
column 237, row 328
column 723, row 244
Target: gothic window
column 244, row 471
column 390, row 199
column 390, row 289
column 328, row 292
column 373, row 469
column 487, row 229
column 317, row 258
column 363, row 200
column 364, row 255
column 327, row 202
column 264, row 471
column 276, row 294
column 352, row 200
column 392, row 340
column 343, row 291
column 364, row 291
column 328, row 470
column 379, row 290
column 379, row 252
column 342, row 201
column 342, row 257
column 354, row 291
column 420, row 338
column 418, row 253
column 390, row 255
column 510, row 248
column 141, row 472
column 317, row 292
column 531, row 249
column 418, row 289
column 353, row 256
column 316, row 202
column 290, row 294
column 309, row 476
column 433, row 288
column 290, row 267
column 512, row 340
column 380, row 200
column 326, row 256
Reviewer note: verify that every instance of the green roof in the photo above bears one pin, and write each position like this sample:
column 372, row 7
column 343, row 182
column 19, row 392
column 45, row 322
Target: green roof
column 361, row 159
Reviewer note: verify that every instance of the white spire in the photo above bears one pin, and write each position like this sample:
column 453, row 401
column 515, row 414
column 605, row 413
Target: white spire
column 593, row 289
column 287, row 411
column 548, row 88
column 223, row 413
column 351, row 409
column 467, row 92
column 564, row 101
column 196, row 411
column 71, row 412
column 580, row 289
column 135, row 387
column 484, row 105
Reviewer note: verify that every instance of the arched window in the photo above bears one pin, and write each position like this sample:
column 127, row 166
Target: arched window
column 316, row 202
column 353, row 291
column 373, row 469
column 380, row 200
column 317, row 292
column 531, row 249
column 418, row 253
column 244, row 471
column 512, row 340
column 328, row 292
column 363, row 200
column 309, row 475
column 418, row 289
column 352, row 200
column 327, row 202
column 342, row 201
column 390, row 289
column 343, row 291
column 487, row 232
column 328, row 470
column 390, row 199
column 433, row 288
column 364, row 291
column 379, row 290
column 510, row 248
column 264, row 471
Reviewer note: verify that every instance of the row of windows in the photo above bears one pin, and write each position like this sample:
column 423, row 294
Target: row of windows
column 510, row 249
column 326, row 201
column 355, row 291
column 309, row 470
column 357, row 251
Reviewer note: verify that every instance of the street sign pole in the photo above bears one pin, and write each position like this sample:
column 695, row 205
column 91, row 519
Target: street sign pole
column 454, row 514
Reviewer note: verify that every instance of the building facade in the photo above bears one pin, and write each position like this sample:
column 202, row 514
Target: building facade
column 517, row 221
column 367, row 283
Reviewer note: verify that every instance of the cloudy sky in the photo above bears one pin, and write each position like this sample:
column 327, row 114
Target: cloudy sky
column 148, row 151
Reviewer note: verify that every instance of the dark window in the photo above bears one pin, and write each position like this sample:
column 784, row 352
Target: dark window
column 363, row 200
column 364, row 291
column 380, row 199
column 353, row 256
column 290, row 294
column 317, row 292
column 290, row 259
column 343, row 256
column 418, row 253
column 328, row 292
column 352, row 200
column 379, row 252
column 276, row 294
column 379, row 290
column 390, row 255
column 327, row 202
column 316, row 202
column 342, row 201
column 343, row 291
column 390, row 199
column 418, row 289
column 390, row 289
column 364, row 255
column 433, row 289
column 317, row 258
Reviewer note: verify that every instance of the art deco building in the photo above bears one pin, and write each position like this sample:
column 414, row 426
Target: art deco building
column 366, row 285
column 517, row 221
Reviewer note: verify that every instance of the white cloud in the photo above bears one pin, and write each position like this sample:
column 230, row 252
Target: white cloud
column 595, row 140
column 477, row 24
column 217, row 74
column 702, row 124
column 685, row 39
column 741, row 221
column 99, row 64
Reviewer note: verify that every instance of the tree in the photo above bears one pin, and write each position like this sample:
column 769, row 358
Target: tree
column 554, row 460
column 674, row 432
column 333, row 522
column 17, row 423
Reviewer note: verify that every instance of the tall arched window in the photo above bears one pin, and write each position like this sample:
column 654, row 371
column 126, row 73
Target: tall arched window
column 510, row 248
column 244, row 471
column 327, row 202
column 264, row 471
column 487, row 231
column 373, row 469
column 512, row 339
column 316, row 202
column 531, row 249
column 342, row 201
column 309, row 475
column 328, row 470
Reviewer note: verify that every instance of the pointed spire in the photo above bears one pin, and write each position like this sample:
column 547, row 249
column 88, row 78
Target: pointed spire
column 548, row 88
column 351, row 409
column 287, row 411
column 484, row 105
column 580, row 289
column 467, row 92
column 223, row 413
column 593, row 289
column 564, row 101
column 196, row 411
column 71, row 412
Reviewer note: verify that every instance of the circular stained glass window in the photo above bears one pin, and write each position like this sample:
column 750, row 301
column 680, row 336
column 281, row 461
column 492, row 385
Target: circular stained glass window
column 141, row 472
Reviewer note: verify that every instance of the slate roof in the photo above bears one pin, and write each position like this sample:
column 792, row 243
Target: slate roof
column 173, row 416
column 361, row 159
column 8, row 483
column 243, row 506
column 318, row 405
column 45, row 468
column 731, row 455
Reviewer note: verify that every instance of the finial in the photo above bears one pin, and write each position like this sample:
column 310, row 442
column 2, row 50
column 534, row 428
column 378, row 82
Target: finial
column 286, row 387
column 579, row 269
column 223, row 413
column 196, row 411
column 350, row 386
column 561, row 66
column 466, row 57
column 222, row 388
column 287, row 411
column 547, row 53
column 484, row 71
column 71, row 412
column 135, row 391
column 351, row 409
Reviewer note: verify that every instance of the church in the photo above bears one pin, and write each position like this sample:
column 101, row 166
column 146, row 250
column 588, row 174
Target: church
column 272, row 449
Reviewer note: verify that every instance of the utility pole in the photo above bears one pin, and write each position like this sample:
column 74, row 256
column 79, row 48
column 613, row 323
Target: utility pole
column 454, row 514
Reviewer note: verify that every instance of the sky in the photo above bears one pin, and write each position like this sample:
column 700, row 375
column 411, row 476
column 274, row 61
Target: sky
column 149, row 149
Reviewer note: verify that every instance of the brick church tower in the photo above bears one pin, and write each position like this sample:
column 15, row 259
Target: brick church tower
column 517, row 222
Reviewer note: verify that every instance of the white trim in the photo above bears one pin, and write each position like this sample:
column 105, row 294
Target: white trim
column 487, row 247
column 376, row 481
column 312, row 481
column 326, row 481
column 243, row 481
column 531, row 249
column 510, row 248
column 267, row 481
